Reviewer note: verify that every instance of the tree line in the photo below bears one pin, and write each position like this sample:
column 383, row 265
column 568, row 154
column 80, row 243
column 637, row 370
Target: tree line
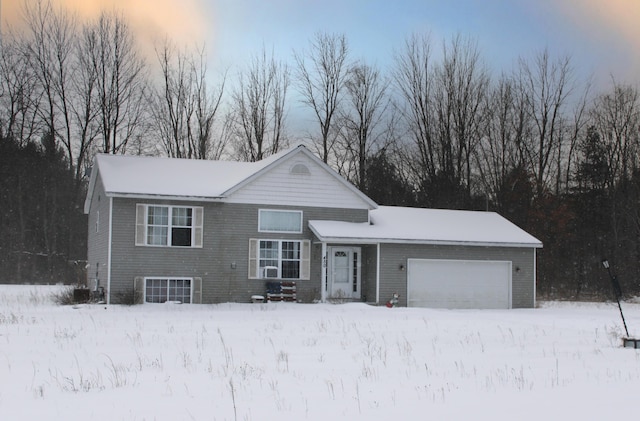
column 436, row 128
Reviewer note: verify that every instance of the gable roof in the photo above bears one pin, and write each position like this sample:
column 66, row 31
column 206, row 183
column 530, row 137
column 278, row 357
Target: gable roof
column 189, row 179
column 391, row 224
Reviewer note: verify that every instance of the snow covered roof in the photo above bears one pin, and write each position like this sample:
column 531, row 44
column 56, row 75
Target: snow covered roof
column 391, row 224
column 186, row 179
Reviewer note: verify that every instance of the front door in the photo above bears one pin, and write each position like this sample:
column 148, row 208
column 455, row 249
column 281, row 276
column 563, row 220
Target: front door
column 344, row 272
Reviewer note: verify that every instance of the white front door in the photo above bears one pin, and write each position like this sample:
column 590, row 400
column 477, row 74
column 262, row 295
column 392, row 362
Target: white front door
column 344, row 272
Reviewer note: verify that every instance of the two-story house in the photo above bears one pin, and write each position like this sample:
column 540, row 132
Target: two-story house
column 197, row 231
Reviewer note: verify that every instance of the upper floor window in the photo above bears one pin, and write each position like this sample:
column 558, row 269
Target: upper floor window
column 270, row 220
column 176, row 226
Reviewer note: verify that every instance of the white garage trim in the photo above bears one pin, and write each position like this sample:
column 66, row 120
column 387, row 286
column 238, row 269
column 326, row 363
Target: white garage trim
column 473, row 284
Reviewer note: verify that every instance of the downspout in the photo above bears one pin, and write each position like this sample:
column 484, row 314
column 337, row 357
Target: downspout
column 323, row 274
column 109, row 250
column 378, row 274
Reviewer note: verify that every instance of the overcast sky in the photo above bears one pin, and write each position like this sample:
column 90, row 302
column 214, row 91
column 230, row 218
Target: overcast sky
column 602, row 36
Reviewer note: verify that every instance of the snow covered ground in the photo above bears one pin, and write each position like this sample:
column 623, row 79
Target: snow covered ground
column 290, row 361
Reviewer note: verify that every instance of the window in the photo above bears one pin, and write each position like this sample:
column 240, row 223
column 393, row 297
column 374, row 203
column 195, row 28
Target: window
column 290, row 258
column 175, row 226
column 159, row 290
column 279, row 221
column 284, row 255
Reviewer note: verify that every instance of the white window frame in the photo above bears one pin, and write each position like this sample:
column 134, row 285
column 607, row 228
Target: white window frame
column 280, row 256
column 142, row 225
column 260, row 220
column 256, row 271
column 168, row 279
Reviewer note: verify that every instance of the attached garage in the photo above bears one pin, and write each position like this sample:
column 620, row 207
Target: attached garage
column 435, row 258
column 463, row 284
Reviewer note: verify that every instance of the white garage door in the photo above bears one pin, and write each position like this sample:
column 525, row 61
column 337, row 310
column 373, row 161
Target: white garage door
column 458, row 284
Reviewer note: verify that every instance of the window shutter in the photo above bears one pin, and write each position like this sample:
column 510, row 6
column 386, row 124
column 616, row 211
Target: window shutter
column 197, row 226
column 196, row 291
column 138, row 289
column 305, row 261
column 253, row 258
column 140, row 225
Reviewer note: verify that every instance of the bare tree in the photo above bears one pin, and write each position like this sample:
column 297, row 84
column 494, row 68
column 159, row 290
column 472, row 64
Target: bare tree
column 362, row 121
column 184, row 107
column 497, row 153
column 120, row 81
column 460, row 91
column 414, row 74
column 321, row 76
column 575, row 131
column 545, row 86
column 207, row 103
column 19, row 94
column 259, row 108
column 85, row 106
column 616, row 116
column 50, row 46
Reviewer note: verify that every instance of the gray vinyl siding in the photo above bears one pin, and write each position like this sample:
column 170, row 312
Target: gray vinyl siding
column 223, row 261
column 98, row 242
column 369, row 272
column 393, row 279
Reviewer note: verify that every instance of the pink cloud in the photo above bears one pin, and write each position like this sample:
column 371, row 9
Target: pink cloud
column 182, row 21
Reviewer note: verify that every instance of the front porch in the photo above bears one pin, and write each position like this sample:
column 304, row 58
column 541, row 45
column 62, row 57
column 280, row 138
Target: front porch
column 349, row 272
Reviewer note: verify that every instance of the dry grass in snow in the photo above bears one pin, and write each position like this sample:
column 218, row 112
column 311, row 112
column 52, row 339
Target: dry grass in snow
column 311, row 361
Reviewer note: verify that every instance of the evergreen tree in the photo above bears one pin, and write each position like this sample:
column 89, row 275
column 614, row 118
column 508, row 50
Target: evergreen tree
column 384, row 184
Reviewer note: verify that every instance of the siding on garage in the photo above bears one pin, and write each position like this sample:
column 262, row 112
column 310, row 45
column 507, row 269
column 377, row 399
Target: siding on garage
column 369, row 272
column 393, row 279
column 227, row 230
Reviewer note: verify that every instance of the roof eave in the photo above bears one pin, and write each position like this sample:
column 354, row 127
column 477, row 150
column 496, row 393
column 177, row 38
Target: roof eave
column 370, row 240
column 165, row 197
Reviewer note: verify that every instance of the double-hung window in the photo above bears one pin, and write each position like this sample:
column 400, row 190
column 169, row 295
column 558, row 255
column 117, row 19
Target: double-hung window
column 174, row 226
column 282, row 259
column 278, row 258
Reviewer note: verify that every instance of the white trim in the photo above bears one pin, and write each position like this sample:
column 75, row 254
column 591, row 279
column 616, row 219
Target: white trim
column 280, row 211
column 170, row 208
column 350, row 240
column 353, row 268
column 168, row 278
column 289, row 155
column 165, row 197
column 109, row 250
column 378, row 274
column 323, row 274
column 301, row 260
column 535, row 278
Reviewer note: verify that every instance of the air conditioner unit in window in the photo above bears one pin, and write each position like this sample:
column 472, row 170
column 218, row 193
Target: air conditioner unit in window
column 270, row 272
